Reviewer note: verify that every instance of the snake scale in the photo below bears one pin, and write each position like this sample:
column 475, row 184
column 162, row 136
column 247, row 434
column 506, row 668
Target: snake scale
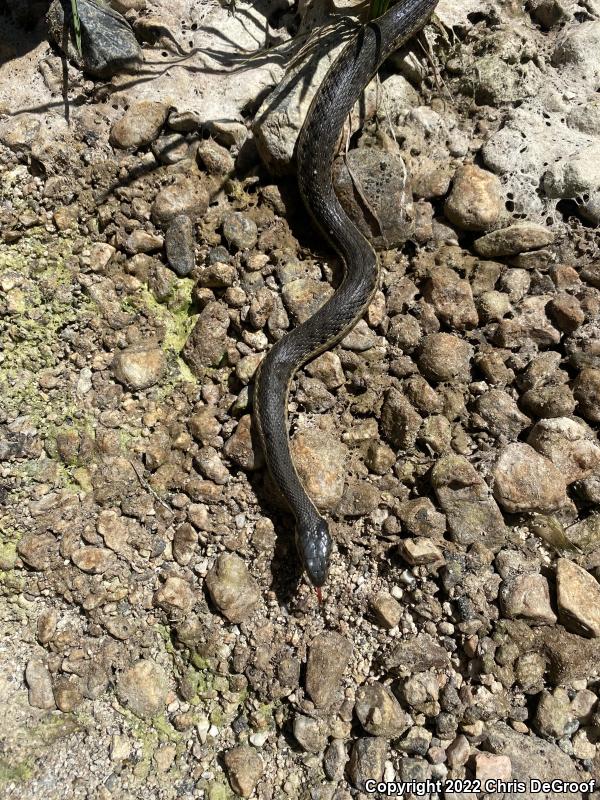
column 316, row 149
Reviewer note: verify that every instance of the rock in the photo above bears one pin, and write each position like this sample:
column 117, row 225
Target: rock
column 525, row 481
column 179, row 245
column 458, row 751
column 38, row 551
column 143, row 688
column 304, row 296
column 207, row 343
column 46, row 626
column 518, row 238
column 566, row 312
column 139, row 366
column 93, row 560
column 386, row 610
column 571, row 448
column 139, row 125
column 367, row 761
column 243, row 448
column 39, row 682
column 472, row 515
column 400, row 422
column 527, row 597
column 420, row 551
column 170, row 149
column 210, row 466
column 240, row 231
column 554, row 400
column 554, row 717
column 498, row 413
column 372, row 186
column 444, row 357
column 452, row 299
column 475, row 200
column 492, row 768
column 175, row 596
column 244, row 769
column 578, row 597
column 188, row 196
column 108, row 43
column 420, row 518
column 577, row 48
column 328, row 656
column 185, row 541
column 380, row 458
column 416, row 654
column 328, row 369
column 232, row 589
column 216, row 158
column 320, row 460
column 586, row 391
column 334, row 760
column 140, row 241
column 360, row 339
column 308, row 734
column 67, row 693
column 379, row 712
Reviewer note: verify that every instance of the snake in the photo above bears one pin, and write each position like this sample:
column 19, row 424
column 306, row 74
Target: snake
column 316, row 149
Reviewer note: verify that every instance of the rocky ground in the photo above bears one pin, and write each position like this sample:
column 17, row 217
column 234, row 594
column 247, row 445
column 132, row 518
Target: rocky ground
column 157, row 637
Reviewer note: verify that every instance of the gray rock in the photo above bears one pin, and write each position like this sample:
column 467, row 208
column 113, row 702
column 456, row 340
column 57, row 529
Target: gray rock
column 143, row 688
column 309, row 734
column 517, row 238
column 186, row 196
column 328, row 656
column 554, row 716
column 578, row 597
column 334, row 760
column 527, row 597
column 232, row 589
column 379, row 711
column 179, row 245
column 139, row 125
column 139, row 366
column 400, row 422
column 498, row 413
column 39, row 682
column 367, row 761
column 320, row 460
column 525, row 481
column 244, row 769
column 416, row 654
column 207, row 343
column 571, row 448
column 175, row 596
column 586, row 391
column 420, row 518
column 577, row 48
column 107, row 41
column 304, row 296
column 240, row 231
column 444, row 357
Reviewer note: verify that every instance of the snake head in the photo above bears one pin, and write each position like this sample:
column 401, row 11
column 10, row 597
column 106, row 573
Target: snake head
column 313, row 542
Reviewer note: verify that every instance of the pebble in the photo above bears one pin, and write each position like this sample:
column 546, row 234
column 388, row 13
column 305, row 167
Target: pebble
column 498, row 413
column 525, row 481
column 421, row 550
column 458, row 751
column 578, row 598
column 334, row 760
column 93, row 560
column 416, row 654
column 39, row 683
column 472, row 515
column 554, row 716
column 185, row 541
column 320, row 461
column 518, row 238
column 242, row 447
column 179, row 245
column 216, row 159
column 549, row 401
column 211, row 466
column 490, row 767
column 139, row 366
column 367, row 761
column 444, row 357
column 140, row 241
column 143, row 688
column 386, row 610
column 139, row 125
column 586, row 390
column 379, row 711
column 304, row 296
column 187, row 196
column 46, row 626
column 571, row 448
column 170, row 149
column 232, row 589
column 174, row 596
column 527, row 597
column 38, row 551
column 328, row 656
column 67, row 693
column 420, row 518
column 240, row 231
column 328, row 369
column 380, row 458
column 207, row 344
column 452, row 299
column 308, row 734
column 400, row 422
column 244, row 769
column 475, row 200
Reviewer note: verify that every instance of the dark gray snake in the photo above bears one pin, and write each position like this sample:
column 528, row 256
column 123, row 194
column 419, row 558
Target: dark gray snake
column 316, row 150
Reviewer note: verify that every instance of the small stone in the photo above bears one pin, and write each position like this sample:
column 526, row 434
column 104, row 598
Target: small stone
column 380, row 458
column 379, row 711
column 186, row 197
column 566, row 312
column 386, row 610
column 518, row 238
column 525, row 481
column 554, row 717
column 39, row 682
column 421, row 550
column 571, row 448
column 498, row 413
column 527, row 597
column 207, row 344
column 320, row 460
column 304, row 296
column 143, row 688
column 185, row 542
column 211, row 466
column 458, row 752
column 493, row 306
column 240, row 231
column 139, row 366
column 120, row 747
column 203, row 424
column 174, row 596
column 38, row 551
column 420, row 518
column 359, row 498
column 475, row 200
column 242, row 446
column 232, row 589
column 139, row 125
column 164, row 757
column 140, row 241
column 170, row 149
column 416, row 654
column 94, row 560
column 367, row 761
column 308, row 734
column 400, row 422
column 327, row 368
column 67, row 693
column 583, row 745
column 549, row 401
column 244, row 769
column 46, row 626
column 216, row 158
column 452, row 298
column 328, row 656
column 489, row 767
column 586, row 391
column 444, row 357
column 334, row 760
column 578, row 597
column 179, row 245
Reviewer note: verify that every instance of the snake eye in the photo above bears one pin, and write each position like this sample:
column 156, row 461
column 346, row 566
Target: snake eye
column 313, row 541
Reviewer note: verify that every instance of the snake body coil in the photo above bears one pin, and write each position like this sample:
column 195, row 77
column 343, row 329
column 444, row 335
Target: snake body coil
column 316, row 150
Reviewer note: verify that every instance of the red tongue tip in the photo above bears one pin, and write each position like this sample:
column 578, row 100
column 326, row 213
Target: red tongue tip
column 319, row 595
